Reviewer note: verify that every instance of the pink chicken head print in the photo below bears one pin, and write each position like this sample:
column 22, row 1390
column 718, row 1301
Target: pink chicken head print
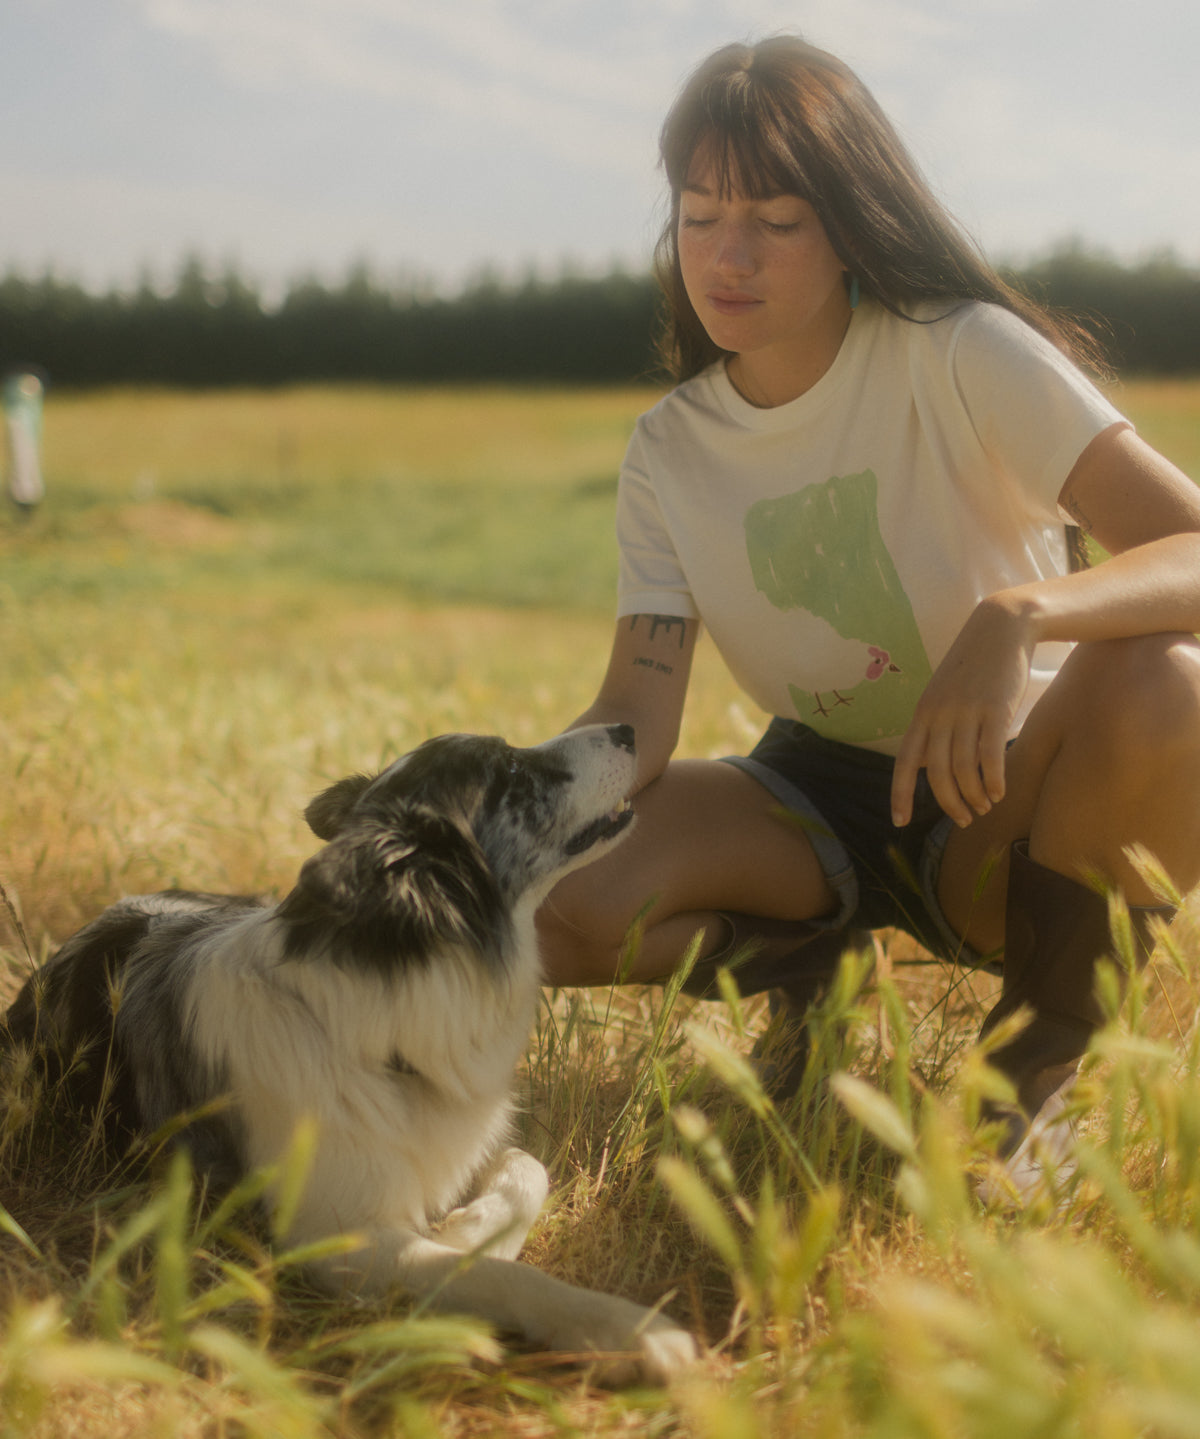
column 880, row 664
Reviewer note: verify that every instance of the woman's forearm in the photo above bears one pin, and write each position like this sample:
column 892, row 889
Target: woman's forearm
column 646, row 685
column 1153, row 588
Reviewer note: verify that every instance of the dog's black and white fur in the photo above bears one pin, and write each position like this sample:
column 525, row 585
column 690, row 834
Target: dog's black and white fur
column 387, row 998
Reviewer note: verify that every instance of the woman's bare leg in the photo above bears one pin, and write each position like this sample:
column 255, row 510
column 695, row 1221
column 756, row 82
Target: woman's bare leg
column 1109, row 757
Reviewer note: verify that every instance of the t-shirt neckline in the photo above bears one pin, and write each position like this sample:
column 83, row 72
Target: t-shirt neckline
column 779, row 417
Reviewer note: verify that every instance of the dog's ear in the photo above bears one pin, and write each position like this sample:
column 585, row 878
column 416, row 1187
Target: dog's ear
column 379, row 893
column 329, row 811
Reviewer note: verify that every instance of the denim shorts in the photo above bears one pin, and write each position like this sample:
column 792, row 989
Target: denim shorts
column 882, row 877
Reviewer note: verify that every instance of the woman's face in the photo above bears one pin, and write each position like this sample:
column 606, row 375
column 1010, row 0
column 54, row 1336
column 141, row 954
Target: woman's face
column 764, row 281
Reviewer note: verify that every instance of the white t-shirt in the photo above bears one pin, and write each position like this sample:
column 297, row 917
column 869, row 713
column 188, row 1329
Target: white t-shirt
column 835, row 546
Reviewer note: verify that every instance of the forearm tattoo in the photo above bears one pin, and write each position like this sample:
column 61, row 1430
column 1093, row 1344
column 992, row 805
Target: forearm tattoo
column 656, row 622
column 667, row 623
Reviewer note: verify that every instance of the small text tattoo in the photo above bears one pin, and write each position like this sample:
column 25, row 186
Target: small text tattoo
column 656, row 665
column 668, row 622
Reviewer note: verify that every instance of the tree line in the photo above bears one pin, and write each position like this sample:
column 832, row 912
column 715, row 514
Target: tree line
column 214, row 328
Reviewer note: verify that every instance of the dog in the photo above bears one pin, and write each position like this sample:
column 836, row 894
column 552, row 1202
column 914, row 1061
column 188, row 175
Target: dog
column 386, row 999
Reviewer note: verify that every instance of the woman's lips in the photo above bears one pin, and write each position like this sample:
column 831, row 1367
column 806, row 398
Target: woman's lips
column 732, row 304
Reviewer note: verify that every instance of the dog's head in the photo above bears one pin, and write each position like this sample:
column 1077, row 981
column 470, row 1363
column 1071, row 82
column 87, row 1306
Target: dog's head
column 442, row 846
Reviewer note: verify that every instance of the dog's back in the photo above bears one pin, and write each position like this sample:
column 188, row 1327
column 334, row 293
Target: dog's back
column 68, row 1015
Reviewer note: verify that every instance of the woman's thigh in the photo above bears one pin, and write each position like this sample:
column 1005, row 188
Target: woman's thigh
column 708, row 837
column 1109, row 757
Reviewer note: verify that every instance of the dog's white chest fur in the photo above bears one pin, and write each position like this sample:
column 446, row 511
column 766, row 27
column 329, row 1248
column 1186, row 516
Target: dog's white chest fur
column 408, row 1079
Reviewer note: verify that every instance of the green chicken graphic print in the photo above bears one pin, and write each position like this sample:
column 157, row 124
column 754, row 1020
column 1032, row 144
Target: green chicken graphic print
column 821, row 550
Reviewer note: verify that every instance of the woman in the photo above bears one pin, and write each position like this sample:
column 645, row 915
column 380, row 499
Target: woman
column 862, row 485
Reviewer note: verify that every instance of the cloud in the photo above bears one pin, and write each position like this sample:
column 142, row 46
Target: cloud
column 444, row 133
column 584, row 83
column 473, row 64
column 1031, row 172
column 881, row 37
column 126, row 223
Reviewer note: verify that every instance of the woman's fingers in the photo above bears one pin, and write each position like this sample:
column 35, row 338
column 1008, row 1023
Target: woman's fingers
column 960, row 728
column 993, row 746
column 909, row 760
column 952, row 766
column 963, row 758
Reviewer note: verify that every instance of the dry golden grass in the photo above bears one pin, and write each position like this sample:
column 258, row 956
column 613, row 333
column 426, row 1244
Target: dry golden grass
column 131, row 441
column 165, row 720
column 1167, row 414
column 182, row 748
column 126, row 440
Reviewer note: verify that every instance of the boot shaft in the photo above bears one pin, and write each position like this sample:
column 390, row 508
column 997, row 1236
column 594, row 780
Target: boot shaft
column 1056, row 932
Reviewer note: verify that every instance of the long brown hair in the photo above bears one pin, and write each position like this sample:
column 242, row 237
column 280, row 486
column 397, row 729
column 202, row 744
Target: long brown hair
column 783, row 116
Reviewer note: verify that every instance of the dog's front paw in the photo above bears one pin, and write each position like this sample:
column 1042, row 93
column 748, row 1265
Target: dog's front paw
column 665, row 1350
column 626, row 1344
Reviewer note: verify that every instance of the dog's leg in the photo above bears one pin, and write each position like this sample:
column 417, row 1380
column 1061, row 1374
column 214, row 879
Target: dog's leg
column 510, row 1196
column 623, row 1342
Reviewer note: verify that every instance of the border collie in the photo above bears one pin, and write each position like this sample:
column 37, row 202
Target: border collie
column 386, row 999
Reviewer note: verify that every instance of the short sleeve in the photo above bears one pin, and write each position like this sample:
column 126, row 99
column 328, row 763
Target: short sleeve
column 651, row 579
column 1033, row 411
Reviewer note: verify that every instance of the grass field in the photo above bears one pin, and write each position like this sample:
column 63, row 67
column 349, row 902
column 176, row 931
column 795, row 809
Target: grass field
column 228, row 600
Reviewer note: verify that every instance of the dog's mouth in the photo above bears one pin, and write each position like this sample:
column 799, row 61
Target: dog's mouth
column 606, row 827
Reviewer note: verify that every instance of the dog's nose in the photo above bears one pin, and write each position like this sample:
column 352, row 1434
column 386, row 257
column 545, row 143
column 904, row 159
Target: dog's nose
column 622, row 736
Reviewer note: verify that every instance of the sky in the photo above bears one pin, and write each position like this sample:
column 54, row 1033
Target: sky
column 434, row 139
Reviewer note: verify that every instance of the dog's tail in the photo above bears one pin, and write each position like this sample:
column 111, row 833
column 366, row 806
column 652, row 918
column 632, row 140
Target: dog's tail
column 64, row 1016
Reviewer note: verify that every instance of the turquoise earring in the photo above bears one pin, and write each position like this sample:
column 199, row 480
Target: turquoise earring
column 855, row 294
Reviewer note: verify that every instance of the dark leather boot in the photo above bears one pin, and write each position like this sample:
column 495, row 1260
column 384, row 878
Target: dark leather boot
column 796, row 962
column 1056, row 930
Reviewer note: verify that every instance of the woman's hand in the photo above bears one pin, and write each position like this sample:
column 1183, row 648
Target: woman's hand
column 1146, row 513
column 962, row 721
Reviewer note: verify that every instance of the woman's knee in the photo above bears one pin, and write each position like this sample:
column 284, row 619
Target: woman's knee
column 1137, row 697
column 580, row 934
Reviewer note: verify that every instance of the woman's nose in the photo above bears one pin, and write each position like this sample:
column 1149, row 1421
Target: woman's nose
column 735, row 252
